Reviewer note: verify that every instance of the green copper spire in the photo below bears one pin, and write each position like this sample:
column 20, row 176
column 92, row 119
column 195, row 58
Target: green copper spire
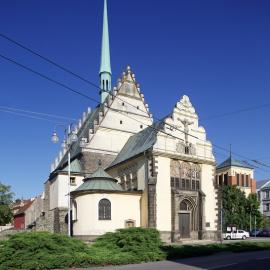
column 105, row 72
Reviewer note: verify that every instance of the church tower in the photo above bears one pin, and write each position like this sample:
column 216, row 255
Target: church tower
column 105, row 72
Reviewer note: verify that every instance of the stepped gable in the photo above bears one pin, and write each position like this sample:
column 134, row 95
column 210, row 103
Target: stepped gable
column 127, row 86
column 184, row 114
column 91, row 120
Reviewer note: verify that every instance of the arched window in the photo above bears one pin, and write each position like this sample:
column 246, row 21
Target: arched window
column 183, row 206
column 104, row 210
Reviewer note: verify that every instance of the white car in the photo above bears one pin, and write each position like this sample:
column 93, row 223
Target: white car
column 238, row 234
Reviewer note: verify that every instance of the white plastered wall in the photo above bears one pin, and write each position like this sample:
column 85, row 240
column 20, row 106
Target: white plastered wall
column 163, row 194
column 123, row 207
column 207, row 187
column 59, row 190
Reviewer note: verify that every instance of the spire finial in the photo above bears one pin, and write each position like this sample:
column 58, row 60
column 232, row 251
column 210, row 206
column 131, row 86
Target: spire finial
column 105, row 72
column 230, row 151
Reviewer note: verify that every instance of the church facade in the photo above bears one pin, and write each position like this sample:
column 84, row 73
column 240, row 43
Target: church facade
column 132, row 170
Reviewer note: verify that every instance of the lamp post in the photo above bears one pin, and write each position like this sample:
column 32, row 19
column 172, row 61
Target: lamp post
column 70, row 138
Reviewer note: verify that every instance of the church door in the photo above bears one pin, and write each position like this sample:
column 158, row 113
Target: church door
column 184, row 225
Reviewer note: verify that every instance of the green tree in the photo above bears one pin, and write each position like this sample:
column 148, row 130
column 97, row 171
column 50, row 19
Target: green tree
column 6, row 197
column 252, row 211
column 240, row 210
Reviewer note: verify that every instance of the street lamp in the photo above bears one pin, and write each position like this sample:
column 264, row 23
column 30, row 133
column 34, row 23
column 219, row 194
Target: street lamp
column 71, row 137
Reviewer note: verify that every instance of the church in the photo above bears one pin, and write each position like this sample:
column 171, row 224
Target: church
column 128, row 170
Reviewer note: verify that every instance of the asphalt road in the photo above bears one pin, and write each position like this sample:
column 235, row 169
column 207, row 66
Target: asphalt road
column 229, row 261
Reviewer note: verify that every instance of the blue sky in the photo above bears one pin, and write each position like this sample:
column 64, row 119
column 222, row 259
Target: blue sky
column 217, row 52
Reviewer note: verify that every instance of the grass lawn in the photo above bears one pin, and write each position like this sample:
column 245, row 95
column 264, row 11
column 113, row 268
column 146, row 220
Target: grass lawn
column 42, row 250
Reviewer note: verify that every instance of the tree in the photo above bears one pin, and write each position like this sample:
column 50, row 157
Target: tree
column 239, row 210
column 6, row 197
column 252, row 209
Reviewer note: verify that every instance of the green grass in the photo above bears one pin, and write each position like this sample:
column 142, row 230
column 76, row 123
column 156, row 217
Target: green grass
column 42, row 250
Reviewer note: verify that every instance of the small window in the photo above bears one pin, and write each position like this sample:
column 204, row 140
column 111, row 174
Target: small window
column 73, row 181
column 141, row 126
column 243, row 180
column 197, row 185
column 123, row 104
column 207, row 224
column 138, row 107
column 104, row 210
column 177, row 182
column 238, row 179
column 187, row 184
column 172, row 181
column 129, row 223
column 121, row 122
column 183, row 184
column 193, row 184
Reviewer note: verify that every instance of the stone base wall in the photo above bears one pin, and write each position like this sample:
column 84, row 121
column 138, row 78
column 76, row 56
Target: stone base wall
column 54, row 221
column 210, row 235
column 166, row 237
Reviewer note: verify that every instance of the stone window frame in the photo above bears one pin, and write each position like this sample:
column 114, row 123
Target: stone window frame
column 104, row 209
column 188, row 175
column 130, row 221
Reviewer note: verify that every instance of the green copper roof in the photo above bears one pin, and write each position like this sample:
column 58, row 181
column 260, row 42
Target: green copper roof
column 233, row 162
column 75, row 166
column 100, row 173
column 138, row 143
column 105, row 65
column 99, row 180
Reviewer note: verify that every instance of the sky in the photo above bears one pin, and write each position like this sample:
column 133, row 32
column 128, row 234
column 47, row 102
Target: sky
column 216, row 52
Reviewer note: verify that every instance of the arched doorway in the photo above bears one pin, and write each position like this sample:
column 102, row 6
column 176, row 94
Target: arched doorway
column 186, row 218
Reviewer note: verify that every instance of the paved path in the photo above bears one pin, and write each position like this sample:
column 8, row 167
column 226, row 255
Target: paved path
column 229, row 261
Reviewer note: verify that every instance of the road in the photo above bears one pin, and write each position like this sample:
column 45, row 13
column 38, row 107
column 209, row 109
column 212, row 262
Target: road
column 229, row 261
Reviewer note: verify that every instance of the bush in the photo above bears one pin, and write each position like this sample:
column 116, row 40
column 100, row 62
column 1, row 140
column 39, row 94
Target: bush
column 42, row 250
column 131, row 245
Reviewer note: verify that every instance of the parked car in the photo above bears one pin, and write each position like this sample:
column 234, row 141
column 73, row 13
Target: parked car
column 264, row 233
column 238, row 234
column 256, row 232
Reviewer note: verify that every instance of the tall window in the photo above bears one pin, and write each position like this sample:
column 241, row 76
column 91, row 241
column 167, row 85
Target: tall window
column 238, row 179
column 104, row 210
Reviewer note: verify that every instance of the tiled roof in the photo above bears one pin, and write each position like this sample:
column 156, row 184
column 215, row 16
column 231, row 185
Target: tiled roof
column 23, row 208
column 233, row 162
column 138, row 143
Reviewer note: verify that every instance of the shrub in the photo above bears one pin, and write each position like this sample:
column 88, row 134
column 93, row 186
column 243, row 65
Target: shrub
column 41, row 250
column 131, row 245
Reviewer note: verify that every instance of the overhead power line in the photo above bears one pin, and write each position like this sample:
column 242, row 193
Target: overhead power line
column 50, row 61
column 89, row 82
column 31, row 116
column 37, row 113
column 258, row 107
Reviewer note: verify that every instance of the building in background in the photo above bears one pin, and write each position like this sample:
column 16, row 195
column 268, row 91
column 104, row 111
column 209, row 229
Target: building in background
column 19, row 216
column 263, row 191
column 234, row 172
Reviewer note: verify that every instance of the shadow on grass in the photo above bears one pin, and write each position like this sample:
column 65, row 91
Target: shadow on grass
column 187, row 251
